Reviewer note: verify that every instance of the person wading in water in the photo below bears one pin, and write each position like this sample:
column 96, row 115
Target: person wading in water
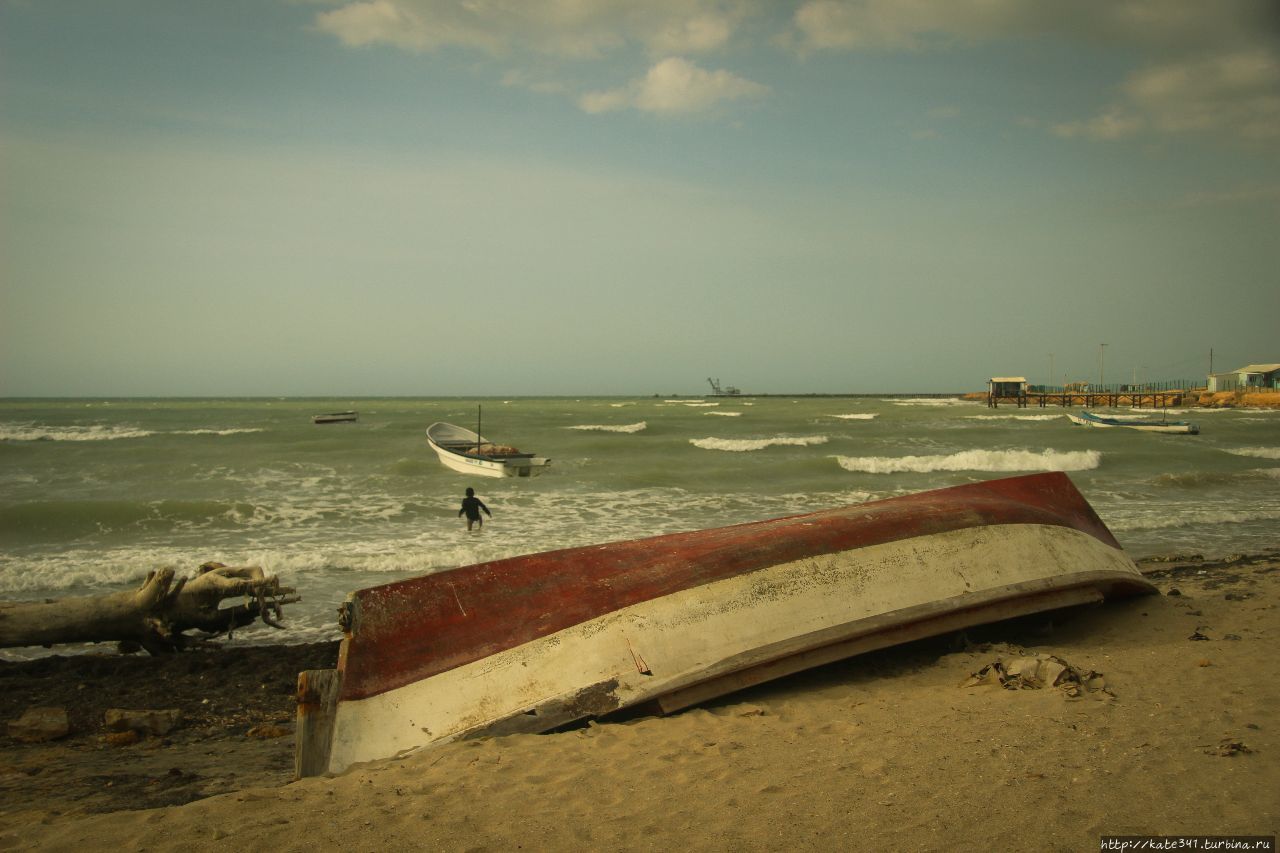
column 471, row 505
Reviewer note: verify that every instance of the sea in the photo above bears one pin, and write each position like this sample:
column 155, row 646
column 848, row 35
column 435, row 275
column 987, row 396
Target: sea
column 95, row 493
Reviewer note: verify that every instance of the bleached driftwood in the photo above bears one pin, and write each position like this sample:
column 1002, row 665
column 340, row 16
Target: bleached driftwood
column 154, row 616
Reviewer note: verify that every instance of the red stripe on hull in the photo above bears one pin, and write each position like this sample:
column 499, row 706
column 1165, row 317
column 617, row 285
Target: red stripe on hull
column 410, row 630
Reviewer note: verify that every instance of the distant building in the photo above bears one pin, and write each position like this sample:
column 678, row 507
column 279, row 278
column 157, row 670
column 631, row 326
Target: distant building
column 1007, row 386
column 1265, row 376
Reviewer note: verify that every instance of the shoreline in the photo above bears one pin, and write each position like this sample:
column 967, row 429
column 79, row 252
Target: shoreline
column 885, row 747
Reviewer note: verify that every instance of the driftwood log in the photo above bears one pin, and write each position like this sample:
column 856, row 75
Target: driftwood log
column 154, row 616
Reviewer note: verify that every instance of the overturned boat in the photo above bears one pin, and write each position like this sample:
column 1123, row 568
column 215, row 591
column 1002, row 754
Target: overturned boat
column 530, row 643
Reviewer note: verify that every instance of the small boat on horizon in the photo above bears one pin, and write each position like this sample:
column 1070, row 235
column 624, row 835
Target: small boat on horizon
column 1095, row 420
column 468, row 452
column 335, row 418
column 535, row 642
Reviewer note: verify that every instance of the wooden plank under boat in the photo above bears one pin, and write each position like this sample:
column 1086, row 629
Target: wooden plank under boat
column 530, row 643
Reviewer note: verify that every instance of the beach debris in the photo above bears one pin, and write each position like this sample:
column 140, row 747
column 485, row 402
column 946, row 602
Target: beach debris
column 155, row 616
column 142, row 722
column 1035, row 672
column 38, row 725
column 1198, row 635
column 1227, row 747
column 128, row 737
column 266, row 731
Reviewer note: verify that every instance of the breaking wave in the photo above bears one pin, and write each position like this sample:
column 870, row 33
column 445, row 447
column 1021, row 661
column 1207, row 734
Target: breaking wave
column 975, row 460
column 636, row 427
column 1014, row 417
column 725, row 414
column 931, row 401
column 1256, row 452
column 740, row 445
column 866, row 416
column 99, row 432
column 237, row 431
column 96, row 432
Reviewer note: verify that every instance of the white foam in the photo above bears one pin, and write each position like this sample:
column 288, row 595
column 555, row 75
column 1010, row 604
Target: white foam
column 931, row 401
column 628, row 428
column 862, row 416
column 96, row 432
column 237, row 431
column 725, row 414
column 740, row 445
column 1160, row 518
column 1014, row 417
column 975, row 460
column 1256, row 452
column 700, row 404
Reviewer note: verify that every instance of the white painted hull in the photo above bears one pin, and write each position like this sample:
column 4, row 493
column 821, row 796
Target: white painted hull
column 1178, row 428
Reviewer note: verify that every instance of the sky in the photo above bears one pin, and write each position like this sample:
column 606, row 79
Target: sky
column 609, row 197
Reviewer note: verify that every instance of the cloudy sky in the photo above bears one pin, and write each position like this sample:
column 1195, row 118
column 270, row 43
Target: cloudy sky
column 421, row 197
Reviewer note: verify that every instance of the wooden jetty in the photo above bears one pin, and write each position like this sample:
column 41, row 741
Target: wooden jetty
column 1136, row 398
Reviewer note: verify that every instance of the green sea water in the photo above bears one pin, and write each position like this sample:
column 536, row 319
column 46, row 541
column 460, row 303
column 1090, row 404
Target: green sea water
column 95, row 493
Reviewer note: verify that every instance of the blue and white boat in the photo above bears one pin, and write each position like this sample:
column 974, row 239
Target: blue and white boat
column 1095, row 420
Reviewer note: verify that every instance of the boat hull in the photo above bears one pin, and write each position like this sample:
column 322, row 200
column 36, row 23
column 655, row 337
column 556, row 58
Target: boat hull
column 444, row 438
column 1172, row 428
column 531, row 643
column 481, row 467
column 336, row 418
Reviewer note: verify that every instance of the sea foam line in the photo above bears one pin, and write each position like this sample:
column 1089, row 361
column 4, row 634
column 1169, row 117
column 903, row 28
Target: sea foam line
column 1256, row 452
column 975, row 460
column 863, row 416
column 628, row 428
column 32, row 432
column 1013, row 417
column 740, row 445
column 930, row 401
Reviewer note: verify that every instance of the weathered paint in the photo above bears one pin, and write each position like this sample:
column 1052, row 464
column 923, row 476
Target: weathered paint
column 527, row 643
column 413, row 629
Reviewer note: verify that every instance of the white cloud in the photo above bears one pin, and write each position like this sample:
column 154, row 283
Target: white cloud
column 1210, row 66
column 1237, row 92
column 674, row 86
column 1115, row 123
column 914, row 24
column 568, row 29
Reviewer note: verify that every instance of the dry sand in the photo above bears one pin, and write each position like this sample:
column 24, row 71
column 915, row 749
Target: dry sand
column 883, row 752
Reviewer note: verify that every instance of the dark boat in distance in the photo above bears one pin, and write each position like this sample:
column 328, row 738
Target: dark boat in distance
column 335, row 418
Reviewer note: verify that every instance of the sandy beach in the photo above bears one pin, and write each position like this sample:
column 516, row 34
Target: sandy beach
column 894, row 750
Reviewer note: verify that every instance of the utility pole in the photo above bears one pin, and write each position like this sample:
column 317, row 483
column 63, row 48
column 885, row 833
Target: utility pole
column 1102, row 355
column 1050, row 382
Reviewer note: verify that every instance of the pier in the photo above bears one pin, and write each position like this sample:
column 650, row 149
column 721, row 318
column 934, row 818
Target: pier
column 1136, row 398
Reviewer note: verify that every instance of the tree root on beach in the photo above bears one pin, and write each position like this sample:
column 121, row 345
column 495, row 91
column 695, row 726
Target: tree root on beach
column 154, row 616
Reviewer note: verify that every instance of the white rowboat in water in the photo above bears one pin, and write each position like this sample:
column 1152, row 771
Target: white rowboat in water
column 471, row 453
column 1095, row 420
